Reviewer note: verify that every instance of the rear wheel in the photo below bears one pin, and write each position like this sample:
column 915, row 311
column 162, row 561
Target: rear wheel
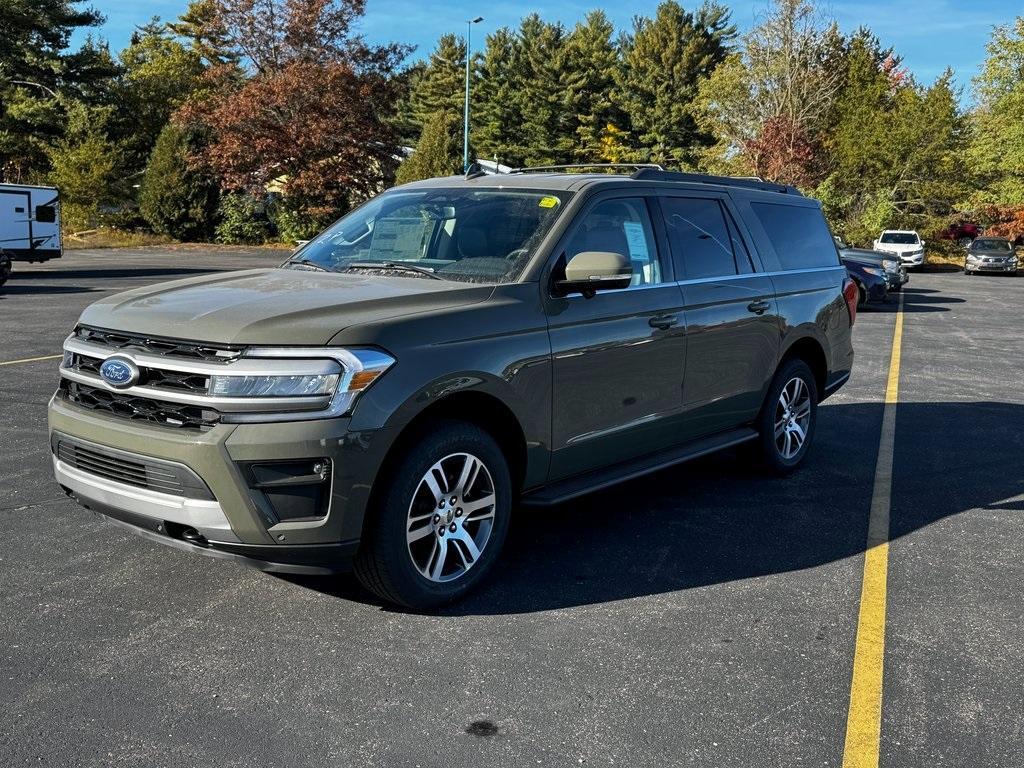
column 440, row 519
column 788, row 417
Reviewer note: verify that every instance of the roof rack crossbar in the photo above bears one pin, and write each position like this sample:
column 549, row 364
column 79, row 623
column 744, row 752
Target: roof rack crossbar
column 572, row 166
column 652, row 174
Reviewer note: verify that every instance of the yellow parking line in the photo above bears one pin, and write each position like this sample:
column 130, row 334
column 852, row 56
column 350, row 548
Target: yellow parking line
column 864, row 720
column 30, row 360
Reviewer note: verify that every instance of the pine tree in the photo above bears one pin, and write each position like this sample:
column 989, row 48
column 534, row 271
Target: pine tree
column 665, row 60
column 539, row 95
column 496, row 118
column 590, row 67
column 173, row 199
column 439, row 151
column 440, row 85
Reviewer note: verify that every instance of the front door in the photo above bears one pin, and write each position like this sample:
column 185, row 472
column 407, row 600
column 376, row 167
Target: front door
column 617, row 357
column 732, row 319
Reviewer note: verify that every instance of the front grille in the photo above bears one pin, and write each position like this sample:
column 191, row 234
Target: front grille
column 129, row 468
column 158, row 378
column 155, row 345
column 141, row 409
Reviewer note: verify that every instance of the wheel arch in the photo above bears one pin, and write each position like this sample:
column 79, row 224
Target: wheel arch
column 811, row 351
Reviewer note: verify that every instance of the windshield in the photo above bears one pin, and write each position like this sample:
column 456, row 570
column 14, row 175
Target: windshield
column 990, row 245
column 472, row 236
column 900, row 238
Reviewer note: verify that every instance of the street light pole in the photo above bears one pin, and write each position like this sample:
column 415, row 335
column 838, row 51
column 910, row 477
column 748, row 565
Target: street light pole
column 465, row 111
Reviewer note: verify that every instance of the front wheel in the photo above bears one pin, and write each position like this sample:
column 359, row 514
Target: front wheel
column 440, row 519
column 788, row 417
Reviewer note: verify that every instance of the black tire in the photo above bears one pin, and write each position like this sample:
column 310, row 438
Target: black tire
column 770, row 453
column 384, row 563
column 5, row 267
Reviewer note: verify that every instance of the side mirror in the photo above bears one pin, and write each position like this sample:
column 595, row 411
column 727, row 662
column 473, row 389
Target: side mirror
column 922, row 243
column 592, row 271
column 46, row 214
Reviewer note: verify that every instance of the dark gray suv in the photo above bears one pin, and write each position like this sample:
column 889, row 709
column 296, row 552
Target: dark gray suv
column 448, row 352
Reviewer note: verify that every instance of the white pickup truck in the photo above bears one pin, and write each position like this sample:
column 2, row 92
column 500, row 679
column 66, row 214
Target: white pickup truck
column 29, row 225
column 906, row 244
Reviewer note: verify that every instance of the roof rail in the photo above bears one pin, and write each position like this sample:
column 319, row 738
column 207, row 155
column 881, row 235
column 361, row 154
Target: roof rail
column 652, row 174
column 572, row 166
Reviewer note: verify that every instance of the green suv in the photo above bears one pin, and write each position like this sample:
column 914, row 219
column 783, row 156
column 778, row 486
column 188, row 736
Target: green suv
column 450, row 351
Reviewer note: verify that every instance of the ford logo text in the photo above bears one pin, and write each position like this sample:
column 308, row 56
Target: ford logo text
column 119, row 372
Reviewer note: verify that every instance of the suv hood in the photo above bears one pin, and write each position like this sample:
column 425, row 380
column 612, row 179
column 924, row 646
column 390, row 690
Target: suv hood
column 864, row 256
column 898, row 248
column 273, row 306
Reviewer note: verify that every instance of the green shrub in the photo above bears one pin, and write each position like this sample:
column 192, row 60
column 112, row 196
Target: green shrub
column 243, row 220
column 174, row 199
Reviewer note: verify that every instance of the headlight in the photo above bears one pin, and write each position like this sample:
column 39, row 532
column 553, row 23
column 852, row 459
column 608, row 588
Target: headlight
column 890, row 266
column 335, row 373
column 274, row 386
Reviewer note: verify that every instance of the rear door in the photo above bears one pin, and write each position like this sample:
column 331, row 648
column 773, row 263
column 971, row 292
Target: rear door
column 732, row 322
column 618, row 357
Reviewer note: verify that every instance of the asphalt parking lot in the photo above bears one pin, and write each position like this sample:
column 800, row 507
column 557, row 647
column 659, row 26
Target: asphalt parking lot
column 703, row 616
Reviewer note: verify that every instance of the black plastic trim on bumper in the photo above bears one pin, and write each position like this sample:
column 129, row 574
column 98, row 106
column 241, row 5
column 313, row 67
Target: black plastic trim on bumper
column 308, row 559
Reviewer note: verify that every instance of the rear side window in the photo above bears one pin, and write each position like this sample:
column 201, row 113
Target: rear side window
column 799, row 235
column 700, row 237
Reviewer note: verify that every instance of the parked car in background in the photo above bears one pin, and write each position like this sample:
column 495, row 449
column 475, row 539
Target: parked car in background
column 870, row 278
column 895, row 273
column 991, row 254
column 905, row 244
column 451, row 350
column 962, row 233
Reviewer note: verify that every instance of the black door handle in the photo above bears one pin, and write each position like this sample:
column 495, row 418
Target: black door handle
column 759, row 307
column 664, row 322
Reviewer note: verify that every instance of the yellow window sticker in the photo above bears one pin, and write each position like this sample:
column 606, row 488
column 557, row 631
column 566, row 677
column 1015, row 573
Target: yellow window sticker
column 548, row 202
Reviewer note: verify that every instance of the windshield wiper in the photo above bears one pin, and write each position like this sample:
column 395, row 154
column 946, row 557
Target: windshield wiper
column 393, row 265
column 309, row 263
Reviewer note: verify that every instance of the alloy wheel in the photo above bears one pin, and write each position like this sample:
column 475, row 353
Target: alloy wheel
column 451, row 517
column 792, row 417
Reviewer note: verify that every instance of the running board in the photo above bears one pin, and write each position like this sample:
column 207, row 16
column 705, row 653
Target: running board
column 580, row 485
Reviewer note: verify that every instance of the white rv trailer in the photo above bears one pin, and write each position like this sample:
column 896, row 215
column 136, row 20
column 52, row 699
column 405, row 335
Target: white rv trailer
column 29, row 225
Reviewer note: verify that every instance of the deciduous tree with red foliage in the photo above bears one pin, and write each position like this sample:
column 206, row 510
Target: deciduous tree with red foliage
column 309, row 113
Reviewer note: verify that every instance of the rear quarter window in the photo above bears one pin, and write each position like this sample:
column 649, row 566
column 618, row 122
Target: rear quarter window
column 798, row 234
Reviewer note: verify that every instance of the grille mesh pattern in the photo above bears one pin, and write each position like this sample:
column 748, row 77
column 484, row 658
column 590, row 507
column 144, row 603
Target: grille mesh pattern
column 119, row 469
column 140, row 408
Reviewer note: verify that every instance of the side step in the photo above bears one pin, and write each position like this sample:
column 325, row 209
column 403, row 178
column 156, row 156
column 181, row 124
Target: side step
column 580, row 485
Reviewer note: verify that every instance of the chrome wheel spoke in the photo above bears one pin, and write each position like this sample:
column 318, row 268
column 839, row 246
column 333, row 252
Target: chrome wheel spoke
column 437, row 569
column 419, row 533
column 468, row 547
column 469, row 507
column 430, row 480
column 470, row 470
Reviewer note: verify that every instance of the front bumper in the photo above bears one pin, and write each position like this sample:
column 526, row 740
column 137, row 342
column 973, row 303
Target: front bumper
column 914, row 260
column 981, row 266
column 231, row 521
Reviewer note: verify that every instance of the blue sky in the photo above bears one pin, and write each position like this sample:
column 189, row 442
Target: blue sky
column 930, row 34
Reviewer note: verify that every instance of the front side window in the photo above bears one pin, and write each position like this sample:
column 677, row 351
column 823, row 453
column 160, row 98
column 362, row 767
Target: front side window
column 799, row 235
column 621, row 226
column 472, row 236
column 700, row 237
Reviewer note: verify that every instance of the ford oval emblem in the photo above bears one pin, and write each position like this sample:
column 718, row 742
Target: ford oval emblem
column 119, row 372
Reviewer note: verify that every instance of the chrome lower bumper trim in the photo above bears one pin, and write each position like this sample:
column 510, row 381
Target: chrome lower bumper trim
column 206, row 517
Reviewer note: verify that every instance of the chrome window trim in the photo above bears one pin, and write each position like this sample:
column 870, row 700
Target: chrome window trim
column 723, row 278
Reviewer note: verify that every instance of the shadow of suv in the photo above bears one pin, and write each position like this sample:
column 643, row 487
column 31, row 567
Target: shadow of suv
column 450, row 347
